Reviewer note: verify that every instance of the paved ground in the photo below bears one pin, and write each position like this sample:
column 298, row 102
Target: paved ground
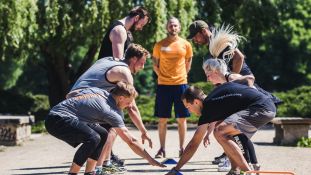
column 46, row 155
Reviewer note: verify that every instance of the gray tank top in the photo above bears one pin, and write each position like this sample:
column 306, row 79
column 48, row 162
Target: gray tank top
column 95, row 76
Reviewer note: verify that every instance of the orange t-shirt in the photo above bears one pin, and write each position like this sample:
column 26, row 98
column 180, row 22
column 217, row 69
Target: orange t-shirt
column 172, row 55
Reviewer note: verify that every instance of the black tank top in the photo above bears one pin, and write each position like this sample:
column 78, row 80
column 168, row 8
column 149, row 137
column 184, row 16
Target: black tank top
column 106, row 46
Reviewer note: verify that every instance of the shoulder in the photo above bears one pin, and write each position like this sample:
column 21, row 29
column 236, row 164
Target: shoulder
column 186, row 42
column 118, row 30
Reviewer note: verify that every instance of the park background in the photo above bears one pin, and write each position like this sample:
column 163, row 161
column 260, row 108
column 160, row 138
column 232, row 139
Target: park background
column 45, row 45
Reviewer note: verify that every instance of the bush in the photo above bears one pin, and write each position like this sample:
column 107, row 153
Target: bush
column 297, row 102
column 19, row 104
column 304, row 142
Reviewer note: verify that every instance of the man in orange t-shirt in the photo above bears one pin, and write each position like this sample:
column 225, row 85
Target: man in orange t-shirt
column 172, row 58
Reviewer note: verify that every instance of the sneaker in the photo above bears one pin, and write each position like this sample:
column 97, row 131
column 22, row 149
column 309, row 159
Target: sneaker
column 221, row 156
column 225, row 166
column 160, row 154
column 218, row 161
column 255, row 167
column 112, row 170
column 116, row 160
column 235, row 172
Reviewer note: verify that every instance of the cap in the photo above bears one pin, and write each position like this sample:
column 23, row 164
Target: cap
column 195, row 27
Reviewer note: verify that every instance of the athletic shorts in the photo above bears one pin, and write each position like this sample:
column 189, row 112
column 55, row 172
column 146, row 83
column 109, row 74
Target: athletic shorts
column 248, row 121
column 166, row 96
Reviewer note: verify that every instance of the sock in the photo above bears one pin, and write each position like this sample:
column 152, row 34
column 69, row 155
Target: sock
column 241, row 141
column 107, row 163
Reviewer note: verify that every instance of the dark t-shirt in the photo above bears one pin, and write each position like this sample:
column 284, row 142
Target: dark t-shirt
column 106, row 46
column 229, row 98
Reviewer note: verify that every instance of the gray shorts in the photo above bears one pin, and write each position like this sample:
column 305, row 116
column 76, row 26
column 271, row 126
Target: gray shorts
column 248, row 121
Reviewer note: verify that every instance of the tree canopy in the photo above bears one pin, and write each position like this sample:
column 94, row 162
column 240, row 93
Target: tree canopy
column 45, row 45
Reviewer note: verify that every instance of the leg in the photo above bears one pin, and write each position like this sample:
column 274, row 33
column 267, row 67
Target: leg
column 162, row 127
column 90, row 165
column 182, row 129
column 163, row 109
column 223, row 134
column 105, row 154
column 242, row 142
column 181, row 113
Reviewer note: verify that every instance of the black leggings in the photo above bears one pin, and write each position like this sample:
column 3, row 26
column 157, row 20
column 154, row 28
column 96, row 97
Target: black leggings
column 91, row 135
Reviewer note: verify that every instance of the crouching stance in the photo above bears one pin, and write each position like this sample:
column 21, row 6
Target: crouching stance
column 238, row 110
column 76, row 120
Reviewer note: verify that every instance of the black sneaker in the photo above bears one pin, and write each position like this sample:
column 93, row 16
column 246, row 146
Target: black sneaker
column 116, row 160
column 221, row 156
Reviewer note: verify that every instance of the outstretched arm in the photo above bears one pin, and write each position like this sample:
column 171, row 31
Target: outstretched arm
column 136, row 119
column 125, row 135
column 192, row 146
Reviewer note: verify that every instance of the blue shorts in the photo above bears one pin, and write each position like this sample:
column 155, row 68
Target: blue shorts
column 166, row 96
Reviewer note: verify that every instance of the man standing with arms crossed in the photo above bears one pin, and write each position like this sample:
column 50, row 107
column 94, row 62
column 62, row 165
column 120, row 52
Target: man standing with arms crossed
column 118, row 36
column 172, row 58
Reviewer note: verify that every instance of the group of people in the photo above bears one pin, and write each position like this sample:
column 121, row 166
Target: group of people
column 92, row 113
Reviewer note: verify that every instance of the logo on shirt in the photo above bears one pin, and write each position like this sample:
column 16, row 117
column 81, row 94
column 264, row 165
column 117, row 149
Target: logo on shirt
column 166, row 49
column 226, row 96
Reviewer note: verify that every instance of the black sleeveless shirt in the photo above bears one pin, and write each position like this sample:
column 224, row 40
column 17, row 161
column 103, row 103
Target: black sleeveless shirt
column 106, row 46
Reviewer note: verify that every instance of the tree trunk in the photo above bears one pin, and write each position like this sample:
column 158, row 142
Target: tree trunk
column 58, row 76
column 86, row 62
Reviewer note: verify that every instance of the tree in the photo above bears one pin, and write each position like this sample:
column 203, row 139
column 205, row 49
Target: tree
column 17, row 31
column 66, row 27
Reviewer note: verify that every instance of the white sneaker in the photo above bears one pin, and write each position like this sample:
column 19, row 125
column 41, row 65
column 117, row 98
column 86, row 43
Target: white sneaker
column 225, row 166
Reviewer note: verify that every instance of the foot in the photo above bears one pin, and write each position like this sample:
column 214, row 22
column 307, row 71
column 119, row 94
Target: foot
column 160, row 154
column 116, row 160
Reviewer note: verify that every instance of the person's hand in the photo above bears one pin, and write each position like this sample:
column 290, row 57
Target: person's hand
column 206, row 141
column 153, row 162
column 173, row 171
column 145, row 136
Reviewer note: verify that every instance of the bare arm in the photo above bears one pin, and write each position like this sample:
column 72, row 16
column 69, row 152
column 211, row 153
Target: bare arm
column 135, row 146
column 237, row 61
column 245, row 79
column 118, row 37
column 121, row 73
column 206, row 140
column 188, row 64
column 136, row 119
column 155, row 62
column 192, row 146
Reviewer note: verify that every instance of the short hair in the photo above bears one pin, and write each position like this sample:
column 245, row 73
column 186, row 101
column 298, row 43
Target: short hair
column 124, row 89
column 223, row 42
column 141, row 12
column 135, row 50
column 173, row 18
column 192, row 93
column 215, row 64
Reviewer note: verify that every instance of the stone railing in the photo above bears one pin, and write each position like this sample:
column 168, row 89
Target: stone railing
column 288, row 130
column 15, row 129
